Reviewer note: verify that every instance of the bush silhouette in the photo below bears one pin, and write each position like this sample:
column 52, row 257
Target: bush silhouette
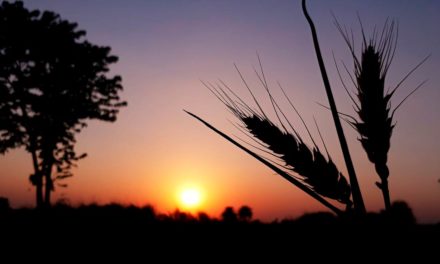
column 229, row 215
column 245, row 213
column 400, row 213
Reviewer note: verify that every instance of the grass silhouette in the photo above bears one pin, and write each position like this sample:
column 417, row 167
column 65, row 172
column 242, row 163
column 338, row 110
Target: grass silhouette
column 305, row 167
column 373, row 103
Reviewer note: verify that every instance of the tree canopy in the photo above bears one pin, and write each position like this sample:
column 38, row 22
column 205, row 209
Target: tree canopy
column 52, row 80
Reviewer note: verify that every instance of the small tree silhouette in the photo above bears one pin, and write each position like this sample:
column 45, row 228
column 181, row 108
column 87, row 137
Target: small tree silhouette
column 51, row 81
column 203, row 217
column 400, row 213
column 245, row 213
column 229, row 215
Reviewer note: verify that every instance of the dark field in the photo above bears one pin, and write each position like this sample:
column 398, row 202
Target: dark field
column 129, row 232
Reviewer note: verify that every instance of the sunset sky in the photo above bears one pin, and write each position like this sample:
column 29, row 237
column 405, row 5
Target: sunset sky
column 154, row 151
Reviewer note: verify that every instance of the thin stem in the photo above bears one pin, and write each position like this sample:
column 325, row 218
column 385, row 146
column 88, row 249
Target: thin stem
column 359, row 206
column 386, row 194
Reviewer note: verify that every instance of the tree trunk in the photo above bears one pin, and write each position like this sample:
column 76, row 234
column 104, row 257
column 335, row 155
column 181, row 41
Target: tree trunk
column 38, row 181
column 48, row 185
column 39, row 190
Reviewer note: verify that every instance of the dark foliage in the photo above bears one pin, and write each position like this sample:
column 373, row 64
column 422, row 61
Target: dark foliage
column 52, row 81
column 245, row 213
column 229, row 215
column 400, row 213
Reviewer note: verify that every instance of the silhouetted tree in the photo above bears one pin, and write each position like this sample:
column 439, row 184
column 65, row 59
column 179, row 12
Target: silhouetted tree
column 400, row 213
column 51, row 81
column 229, row 215
column 182, row 217
column 203, row 217
column 245, row 213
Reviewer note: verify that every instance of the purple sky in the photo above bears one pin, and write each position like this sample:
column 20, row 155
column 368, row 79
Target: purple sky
column 166, row 47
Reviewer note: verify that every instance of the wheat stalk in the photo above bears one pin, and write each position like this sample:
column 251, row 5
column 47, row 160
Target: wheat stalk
column 308, row 164
column 375, row 118
column 279, row 171
column 359, row 205
column 315, row 170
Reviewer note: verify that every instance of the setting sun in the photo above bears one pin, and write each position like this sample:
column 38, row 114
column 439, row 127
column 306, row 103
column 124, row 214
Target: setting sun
column 190, row 198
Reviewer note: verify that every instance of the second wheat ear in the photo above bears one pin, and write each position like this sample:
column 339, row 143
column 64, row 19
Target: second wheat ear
column 371, row 101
